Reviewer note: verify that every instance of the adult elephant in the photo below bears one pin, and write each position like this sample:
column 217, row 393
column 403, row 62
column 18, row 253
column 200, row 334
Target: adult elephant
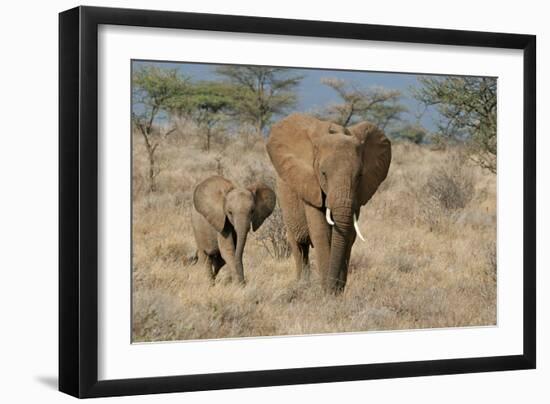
column 325, row 174
column 222, row 216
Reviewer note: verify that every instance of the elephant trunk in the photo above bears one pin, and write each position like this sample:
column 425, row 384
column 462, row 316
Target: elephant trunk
column 242, row 232
column 342, row 237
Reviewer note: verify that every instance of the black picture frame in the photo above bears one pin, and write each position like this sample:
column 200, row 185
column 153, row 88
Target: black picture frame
column 78, row 201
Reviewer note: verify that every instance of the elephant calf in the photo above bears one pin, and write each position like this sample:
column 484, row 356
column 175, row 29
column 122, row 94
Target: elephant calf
column 221, row 217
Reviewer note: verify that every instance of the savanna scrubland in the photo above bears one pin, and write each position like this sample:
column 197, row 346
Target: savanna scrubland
column 429, row 259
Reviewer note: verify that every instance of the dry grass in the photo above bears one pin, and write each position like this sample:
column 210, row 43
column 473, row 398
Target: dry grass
column 429, row 259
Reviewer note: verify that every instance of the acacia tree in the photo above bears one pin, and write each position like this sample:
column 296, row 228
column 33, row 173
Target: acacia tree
column 378, row 105
column 152, row 91
column 206, row 104
column 468, row 111
column 386, row 113
column 260, row 92
column 414, row 133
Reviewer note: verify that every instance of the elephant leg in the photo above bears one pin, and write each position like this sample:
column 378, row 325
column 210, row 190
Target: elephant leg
column 296, row 224
column 300, row 252
column 227, row 250
column 207, row 263
column 306, row 272
column 320, row 235
column 297, row 255
column 217, row 263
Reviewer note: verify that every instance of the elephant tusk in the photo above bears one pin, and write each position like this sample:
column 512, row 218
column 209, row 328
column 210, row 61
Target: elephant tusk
column 329, row 220
column 356, row 225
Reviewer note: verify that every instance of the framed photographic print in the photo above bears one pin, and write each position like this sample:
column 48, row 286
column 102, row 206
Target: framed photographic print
column 251, row 201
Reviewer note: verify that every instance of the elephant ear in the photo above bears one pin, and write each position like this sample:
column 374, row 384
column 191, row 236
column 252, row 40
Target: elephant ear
column 291, row 151
column 264, row 199
column 376, row 158
column 208, row 200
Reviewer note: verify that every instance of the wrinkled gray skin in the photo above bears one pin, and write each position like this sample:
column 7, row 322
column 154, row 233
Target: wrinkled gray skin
column 221, row 217
column 325, row 172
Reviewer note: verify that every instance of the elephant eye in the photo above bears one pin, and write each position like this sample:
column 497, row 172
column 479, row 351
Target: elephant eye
column 230, row 213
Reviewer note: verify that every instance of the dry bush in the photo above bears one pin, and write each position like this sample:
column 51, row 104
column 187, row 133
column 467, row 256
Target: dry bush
column 272, row 236
column 405, row 276
column 448, row 189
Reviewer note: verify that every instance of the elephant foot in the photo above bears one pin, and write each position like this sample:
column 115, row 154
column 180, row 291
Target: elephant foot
column 304, row 280
column 240, row 278
column 334, row 286
column 306, row 274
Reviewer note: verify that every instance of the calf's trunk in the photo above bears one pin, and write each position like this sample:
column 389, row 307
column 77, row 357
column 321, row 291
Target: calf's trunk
column 242, row 233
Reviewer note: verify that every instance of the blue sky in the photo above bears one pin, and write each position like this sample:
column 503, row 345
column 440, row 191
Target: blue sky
column 312, row 94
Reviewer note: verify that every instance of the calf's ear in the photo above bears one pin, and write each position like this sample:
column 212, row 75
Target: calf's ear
column 265, row 199
column 208, row 200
